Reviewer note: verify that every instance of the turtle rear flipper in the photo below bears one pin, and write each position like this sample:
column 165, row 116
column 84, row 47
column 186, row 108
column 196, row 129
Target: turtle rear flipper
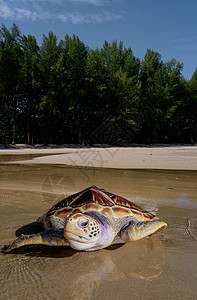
column 136, row 231
column 50, row 238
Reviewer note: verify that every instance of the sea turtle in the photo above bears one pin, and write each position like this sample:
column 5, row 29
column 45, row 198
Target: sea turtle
column 90, row 220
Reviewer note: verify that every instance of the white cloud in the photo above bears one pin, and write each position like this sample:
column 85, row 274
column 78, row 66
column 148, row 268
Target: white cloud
column 94, row 18
column 5, row 11
column 20, row 12
column 93, row 2
column 57, row 10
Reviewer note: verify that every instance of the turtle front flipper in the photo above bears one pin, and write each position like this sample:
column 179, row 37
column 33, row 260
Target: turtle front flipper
column 50, row 238
column 136, row 231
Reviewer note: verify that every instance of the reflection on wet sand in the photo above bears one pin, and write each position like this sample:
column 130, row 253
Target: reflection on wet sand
column 18, row 157
column 76, row 274
column 159, row 267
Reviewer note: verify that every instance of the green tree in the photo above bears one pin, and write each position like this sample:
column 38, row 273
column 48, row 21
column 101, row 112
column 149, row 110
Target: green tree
column 176, row 94
column 62, row 92
column 122, row 90
column 95, row 89
column 30, row 86
column 164, row 97
column 191, row 118
column 75, row 56
column 150, row 66
column 10, row 75
column 50, row 53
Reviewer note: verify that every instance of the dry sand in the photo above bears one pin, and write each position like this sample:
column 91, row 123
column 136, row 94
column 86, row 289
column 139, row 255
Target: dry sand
column 176, row 157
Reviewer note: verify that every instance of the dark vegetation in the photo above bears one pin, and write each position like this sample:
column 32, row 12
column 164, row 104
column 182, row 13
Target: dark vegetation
column 65, row 92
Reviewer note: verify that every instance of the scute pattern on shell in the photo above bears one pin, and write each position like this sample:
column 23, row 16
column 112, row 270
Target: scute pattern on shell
column 97, row 198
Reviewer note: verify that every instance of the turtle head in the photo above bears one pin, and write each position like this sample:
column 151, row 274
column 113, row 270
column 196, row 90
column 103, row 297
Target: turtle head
column 88, row 231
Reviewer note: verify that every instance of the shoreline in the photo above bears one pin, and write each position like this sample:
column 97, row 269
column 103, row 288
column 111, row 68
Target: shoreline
column 166, row 157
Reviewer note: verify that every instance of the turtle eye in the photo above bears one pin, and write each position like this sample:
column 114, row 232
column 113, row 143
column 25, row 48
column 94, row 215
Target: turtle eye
column 83, row 222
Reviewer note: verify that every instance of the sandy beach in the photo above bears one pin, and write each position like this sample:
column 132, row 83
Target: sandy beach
column 165, row 157
column 160, row 178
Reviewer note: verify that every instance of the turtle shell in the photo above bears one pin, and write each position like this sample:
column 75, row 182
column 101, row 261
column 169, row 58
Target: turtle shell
column 95, row 198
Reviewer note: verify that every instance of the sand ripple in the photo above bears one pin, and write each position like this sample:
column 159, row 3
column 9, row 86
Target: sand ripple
column 192, row 228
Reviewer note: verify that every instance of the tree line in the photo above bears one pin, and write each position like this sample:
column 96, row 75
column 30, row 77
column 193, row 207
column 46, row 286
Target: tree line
column 65, row 92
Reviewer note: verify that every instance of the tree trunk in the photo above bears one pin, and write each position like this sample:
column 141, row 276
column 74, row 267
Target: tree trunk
column 191, row 137
column 28, row 135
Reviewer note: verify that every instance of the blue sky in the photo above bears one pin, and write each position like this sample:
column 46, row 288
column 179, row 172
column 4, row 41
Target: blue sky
column 168, row 27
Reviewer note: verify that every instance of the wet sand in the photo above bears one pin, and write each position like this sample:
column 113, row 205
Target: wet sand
column 160, row 179
column 160, row 267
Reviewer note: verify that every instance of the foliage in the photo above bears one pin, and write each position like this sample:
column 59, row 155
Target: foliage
column 65, row 92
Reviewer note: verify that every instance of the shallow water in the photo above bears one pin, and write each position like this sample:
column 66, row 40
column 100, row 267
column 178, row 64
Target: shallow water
column 160, row 267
